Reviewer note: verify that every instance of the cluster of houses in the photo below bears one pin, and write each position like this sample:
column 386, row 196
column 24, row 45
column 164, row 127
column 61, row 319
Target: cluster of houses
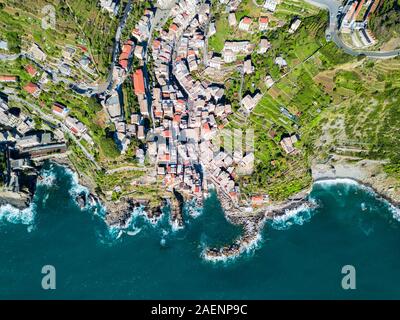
column 187, row 112
column 136, row 47
column 21, row 145
column 19, row 131
column 76, row 127
column 247, row 24
column 355, row 21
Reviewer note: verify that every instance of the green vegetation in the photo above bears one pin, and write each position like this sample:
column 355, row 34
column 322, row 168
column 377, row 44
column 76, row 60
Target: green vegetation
column 78, row 22
column 385, row 20
column 297, row 90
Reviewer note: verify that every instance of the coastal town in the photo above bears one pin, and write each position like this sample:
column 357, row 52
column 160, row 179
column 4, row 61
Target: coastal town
column 165, row 104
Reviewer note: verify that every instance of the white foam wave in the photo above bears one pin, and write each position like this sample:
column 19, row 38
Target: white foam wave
column 193, row 209
column 391, row 207
column 333, row 182
column 134, row 232
column 76, row 188
column 175, row 226
column 296, row 216
column 245, row 249
column 47, row 177
column 13, row 215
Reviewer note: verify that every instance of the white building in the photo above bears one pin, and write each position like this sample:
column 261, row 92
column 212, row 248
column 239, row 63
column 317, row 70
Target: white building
column 295, row 25
column 232, row 19
column 245, row 24
column 270, row 5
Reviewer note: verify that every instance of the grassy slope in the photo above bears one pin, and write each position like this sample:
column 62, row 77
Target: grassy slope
column 385, row 20
column 77, row 22
column 307, row 54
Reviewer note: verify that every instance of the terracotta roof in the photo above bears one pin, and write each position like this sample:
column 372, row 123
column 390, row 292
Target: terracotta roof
column 6, row 78
column 30, row 69
column 126, row 48
column 84, row 49
column 124, row 63
column 124, row 56
column 264, row 20
column 173, row 27
column 177, row 118
column 58, row 109
column 206, row 127
column 138, row 82
column 156, row 43
column 31, row 88
column 246, row 20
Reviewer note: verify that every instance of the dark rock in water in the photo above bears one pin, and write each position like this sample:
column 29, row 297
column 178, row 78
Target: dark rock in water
column 92, row 199
column 81, row 200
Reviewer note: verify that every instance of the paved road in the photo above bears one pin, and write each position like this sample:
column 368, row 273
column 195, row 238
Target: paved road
column 333, row 7
column 9, row 57
column 61, row 125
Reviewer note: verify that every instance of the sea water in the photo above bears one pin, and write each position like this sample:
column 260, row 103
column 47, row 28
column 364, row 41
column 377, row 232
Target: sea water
column 299, row 255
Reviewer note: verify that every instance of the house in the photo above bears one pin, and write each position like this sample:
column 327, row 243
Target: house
column 32, row 88
column 245, row 24
column 263, row 46
column 143, row 106
column 37, row 53
column 3, row 45
column 65, row 69
column 138, row 82
column 31, row 70
column 263, row 23
column 60, row 110
column 237, row 46
column 211, row 29
column 270, row 5
column 249, row 102
column 232, row 19
column 257, row 201
column 140, row 133
column 85, row 62
column 139, row 52
column 247, row 67
column 6, row 78
column 113, row 106
column 76, row 127
column 111, row 6
column 295, row 25
column 229, row 56
column 287, row 143
column 215, row 62
column 281, row 62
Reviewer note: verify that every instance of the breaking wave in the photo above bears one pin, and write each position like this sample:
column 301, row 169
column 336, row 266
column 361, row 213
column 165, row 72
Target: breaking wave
column 395, row 211
column 47, row 177
column 244, row 251
column 10, row 214
column 296, row 216
column 76, row 189
column 192, row 209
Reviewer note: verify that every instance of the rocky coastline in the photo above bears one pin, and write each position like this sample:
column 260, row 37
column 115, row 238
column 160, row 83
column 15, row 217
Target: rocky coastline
column 366, row 172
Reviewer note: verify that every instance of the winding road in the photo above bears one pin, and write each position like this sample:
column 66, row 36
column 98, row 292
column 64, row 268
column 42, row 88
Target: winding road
column 333, row 7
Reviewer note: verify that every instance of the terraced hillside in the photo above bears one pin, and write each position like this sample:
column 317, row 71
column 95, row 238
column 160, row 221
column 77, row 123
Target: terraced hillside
column 78, row 22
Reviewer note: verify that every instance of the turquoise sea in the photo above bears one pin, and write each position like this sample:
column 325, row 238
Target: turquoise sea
column 300, row 256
